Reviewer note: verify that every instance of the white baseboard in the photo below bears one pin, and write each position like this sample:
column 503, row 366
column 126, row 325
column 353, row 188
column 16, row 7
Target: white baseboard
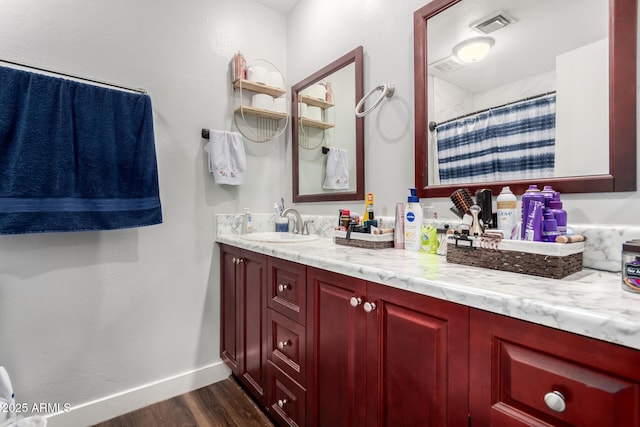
column 99, row 410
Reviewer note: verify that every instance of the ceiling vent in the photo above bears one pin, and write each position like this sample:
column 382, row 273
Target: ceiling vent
column 446, row 65
column 493, row 22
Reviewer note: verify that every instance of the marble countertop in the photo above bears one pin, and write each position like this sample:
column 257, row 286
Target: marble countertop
column 590, row 302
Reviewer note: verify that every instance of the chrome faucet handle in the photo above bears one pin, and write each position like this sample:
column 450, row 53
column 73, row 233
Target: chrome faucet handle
column 305, row 228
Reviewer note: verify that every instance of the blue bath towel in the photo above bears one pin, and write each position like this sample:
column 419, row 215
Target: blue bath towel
column 74, row 156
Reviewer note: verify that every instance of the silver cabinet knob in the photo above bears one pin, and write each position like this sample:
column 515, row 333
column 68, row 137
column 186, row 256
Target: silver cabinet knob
column 369, row 306
column 282, row 402
column 237, row 260
column 283, row 344
column 355, row 301
column 283, row 287
column 555, row 401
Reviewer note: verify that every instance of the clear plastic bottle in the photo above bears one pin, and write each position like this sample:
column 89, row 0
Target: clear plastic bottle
column 247, row 224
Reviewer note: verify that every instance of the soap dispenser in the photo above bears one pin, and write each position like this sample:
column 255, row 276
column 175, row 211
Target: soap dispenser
column 247, row 223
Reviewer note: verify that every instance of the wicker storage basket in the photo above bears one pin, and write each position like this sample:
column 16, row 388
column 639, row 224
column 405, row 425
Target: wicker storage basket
column 553, row 260
column 363, row 240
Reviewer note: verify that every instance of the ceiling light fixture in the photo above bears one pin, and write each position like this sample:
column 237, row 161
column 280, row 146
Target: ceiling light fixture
column 474, row 49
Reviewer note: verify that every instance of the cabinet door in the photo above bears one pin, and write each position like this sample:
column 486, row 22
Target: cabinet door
column 336, row 337
column 523, row 374
column 417, row 360
column 229, row 316
column 253, row 323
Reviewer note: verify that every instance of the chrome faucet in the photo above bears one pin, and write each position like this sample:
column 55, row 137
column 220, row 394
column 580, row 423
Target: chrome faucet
column 297, row 219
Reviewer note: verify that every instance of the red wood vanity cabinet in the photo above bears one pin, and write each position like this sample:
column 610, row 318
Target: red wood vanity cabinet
column 243, row 292
column 317, row 349
column 310, row 346
column 382, row 356
column 519, row 371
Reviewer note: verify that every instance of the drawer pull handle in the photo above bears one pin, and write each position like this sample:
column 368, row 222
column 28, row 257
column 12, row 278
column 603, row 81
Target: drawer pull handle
column 283, row 344
column 282, row 402
column 283, row 287
column 369, row 306
column 355, row 301
column 555, row 401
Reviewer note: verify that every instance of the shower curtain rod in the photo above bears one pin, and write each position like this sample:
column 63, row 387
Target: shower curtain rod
column 433, row 125
column 73, row 76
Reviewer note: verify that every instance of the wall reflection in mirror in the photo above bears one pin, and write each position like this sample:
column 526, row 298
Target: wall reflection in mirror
column 328, row 139
column 515, row 90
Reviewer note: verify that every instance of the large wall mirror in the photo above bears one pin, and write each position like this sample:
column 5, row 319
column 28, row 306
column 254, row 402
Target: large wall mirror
column 553, row 102
column 328, row 138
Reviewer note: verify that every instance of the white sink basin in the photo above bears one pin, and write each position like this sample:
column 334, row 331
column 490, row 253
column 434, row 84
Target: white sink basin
column 274, row 237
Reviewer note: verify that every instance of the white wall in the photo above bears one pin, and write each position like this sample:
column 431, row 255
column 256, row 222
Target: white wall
column 85, row 316
column 583, row 110
column 326, row 29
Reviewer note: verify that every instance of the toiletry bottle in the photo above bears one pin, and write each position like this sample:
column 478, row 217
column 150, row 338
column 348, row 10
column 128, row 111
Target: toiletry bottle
column 413, row 222
column 368, row 209
column 631, row 266
column 559, row 214
column 532, row 193
column 549, row 227
column 484, row 200
column 247, row 226
column 506, row 205
column 329, row 94
column 429, row 230
column 345, row 219
column 533, row 227
column 398, row 230
column 547, row 192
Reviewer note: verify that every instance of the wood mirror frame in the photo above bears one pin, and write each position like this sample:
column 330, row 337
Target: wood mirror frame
column 355, row 57
column 622, row 111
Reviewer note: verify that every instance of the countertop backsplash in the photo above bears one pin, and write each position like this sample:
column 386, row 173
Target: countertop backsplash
column 603, row 248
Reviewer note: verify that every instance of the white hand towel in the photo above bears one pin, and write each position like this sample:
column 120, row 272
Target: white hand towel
column 337, row 170
column 227, row 159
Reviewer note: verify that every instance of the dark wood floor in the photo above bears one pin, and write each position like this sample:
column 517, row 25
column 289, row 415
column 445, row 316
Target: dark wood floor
column 223, row 404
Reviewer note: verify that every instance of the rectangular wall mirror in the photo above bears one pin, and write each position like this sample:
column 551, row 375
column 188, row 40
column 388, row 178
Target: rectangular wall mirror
column 328, row 138
column 564, row 73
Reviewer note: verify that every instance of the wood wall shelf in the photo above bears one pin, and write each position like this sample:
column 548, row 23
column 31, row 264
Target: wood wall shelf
column 259, row 87
column 316, row 102
column 259, row 112
column 315, row 123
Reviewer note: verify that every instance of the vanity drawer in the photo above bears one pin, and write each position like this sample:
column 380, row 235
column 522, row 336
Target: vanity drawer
column 287, row 289
column 522, row 374
column 581, row 396
column 287, row 344
column 287, row 399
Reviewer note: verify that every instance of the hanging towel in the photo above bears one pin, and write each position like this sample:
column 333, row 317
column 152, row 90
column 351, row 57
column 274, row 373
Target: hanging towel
column 227, row 159
column 74, row 156
column 337, row 170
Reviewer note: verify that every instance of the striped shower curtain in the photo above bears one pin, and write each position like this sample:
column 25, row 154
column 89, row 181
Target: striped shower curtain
column 511, row 142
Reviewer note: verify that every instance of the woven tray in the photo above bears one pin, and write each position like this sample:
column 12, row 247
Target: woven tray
column 362, row 240
column 555, row 264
